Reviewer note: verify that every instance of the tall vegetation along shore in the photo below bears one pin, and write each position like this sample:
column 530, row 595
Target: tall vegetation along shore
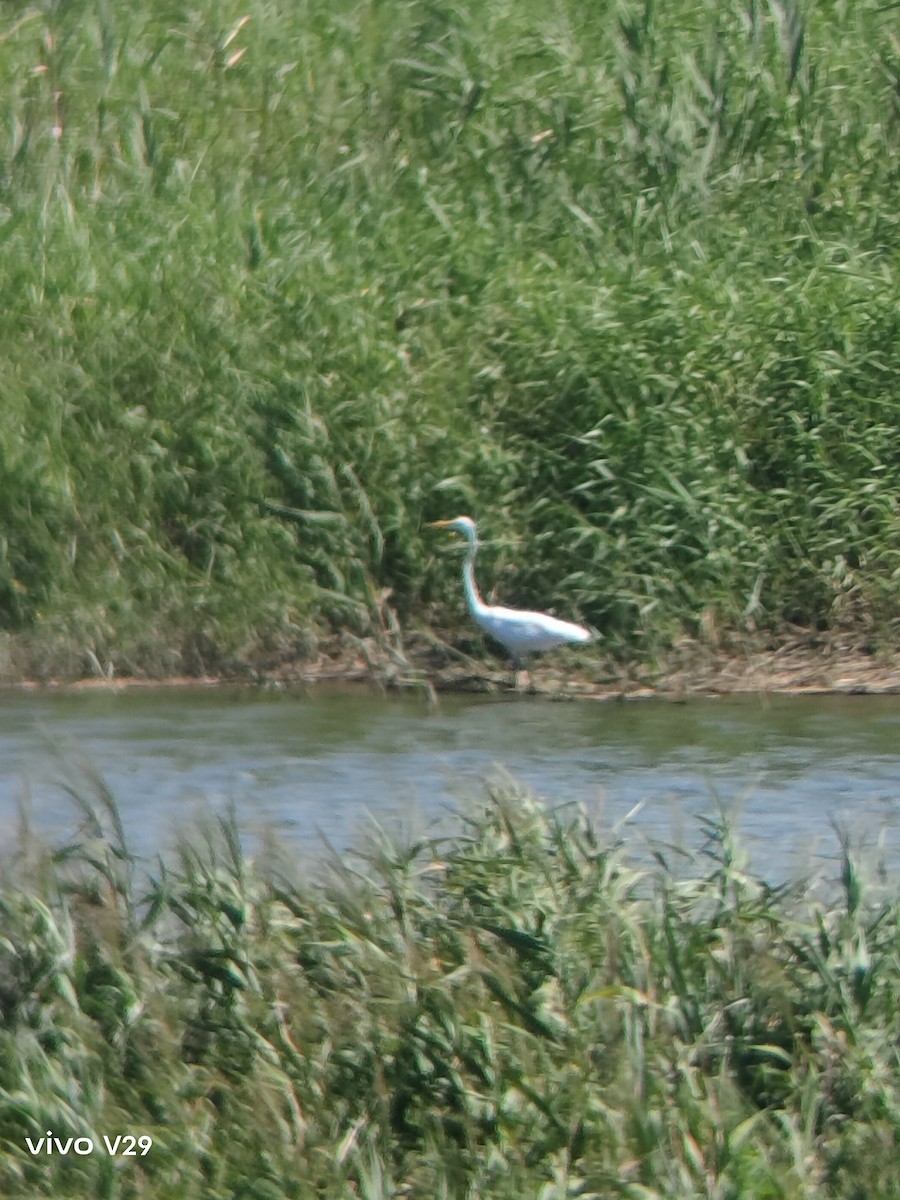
column 514, row 1010
column 282, row 281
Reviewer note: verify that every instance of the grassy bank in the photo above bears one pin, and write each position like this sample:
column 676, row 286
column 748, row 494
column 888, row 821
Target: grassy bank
column 282, row 280
column 516, row 1010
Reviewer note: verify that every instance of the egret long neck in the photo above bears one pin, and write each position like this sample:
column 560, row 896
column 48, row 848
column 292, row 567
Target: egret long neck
column 475, row 602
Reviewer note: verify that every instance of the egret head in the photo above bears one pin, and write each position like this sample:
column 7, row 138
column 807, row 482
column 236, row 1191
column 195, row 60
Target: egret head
column 464, row 525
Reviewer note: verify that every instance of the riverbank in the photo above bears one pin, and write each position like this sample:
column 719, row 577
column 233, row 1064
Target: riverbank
column 796, row 667
column 512, row 1010
column 799, row 665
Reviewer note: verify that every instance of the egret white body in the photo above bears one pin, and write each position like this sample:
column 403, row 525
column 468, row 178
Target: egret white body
column 520, row 632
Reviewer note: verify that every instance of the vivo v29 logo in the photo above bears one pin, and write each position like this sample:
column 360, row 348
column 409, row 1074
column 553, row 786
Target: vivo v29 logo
column 121, row 1144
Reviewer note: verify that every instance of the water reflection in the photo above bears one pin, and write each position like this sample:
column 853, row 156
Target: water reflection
column 315, row 764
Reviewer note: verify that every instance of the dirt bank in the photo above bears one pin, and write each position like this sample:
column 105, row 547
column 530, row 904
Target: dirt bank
column 798, row 664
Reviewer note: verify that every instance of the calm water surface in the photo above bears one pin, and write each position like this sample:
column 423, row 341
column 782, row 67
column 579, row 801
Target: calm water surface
column 318, row 764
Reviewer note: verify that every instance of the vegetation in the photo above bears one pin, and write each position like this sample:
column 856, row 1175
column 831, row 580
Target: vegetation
column 516, row 1010
column 283, row 279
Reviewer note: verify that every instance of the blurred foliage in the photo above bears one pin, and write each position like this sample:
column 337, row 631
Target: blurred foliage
column 513, row 1010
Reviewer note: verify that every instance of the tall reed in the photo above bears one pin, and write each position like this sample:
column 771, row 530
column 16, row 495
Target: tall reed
column 518, row 1008
column 282, row 281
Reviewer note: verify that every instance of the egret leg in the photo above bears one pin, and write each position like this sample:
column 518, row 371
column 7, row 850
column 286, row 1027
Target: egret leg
column 521, row 676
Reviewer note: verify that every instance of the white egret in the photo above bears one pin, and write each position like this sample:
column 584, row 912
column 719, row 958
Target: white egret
column 520, row 632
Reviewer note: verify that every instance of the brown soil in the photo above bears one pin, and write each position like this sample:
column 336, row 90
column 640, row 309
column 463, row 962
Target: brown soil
column 799, row 664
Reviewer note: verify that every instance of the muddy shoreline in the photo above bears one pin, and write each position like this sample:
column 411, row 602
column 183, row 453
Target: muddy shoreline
column 797, row 665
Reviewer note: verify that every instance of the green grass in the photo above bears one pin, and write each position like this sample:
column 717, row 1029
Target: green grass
column 517, row 1009
column 283, row 280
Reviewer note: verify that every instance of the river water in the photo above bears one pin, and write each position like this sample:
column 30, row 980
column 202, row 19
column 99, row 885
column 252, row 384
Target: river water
column 321, row 764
